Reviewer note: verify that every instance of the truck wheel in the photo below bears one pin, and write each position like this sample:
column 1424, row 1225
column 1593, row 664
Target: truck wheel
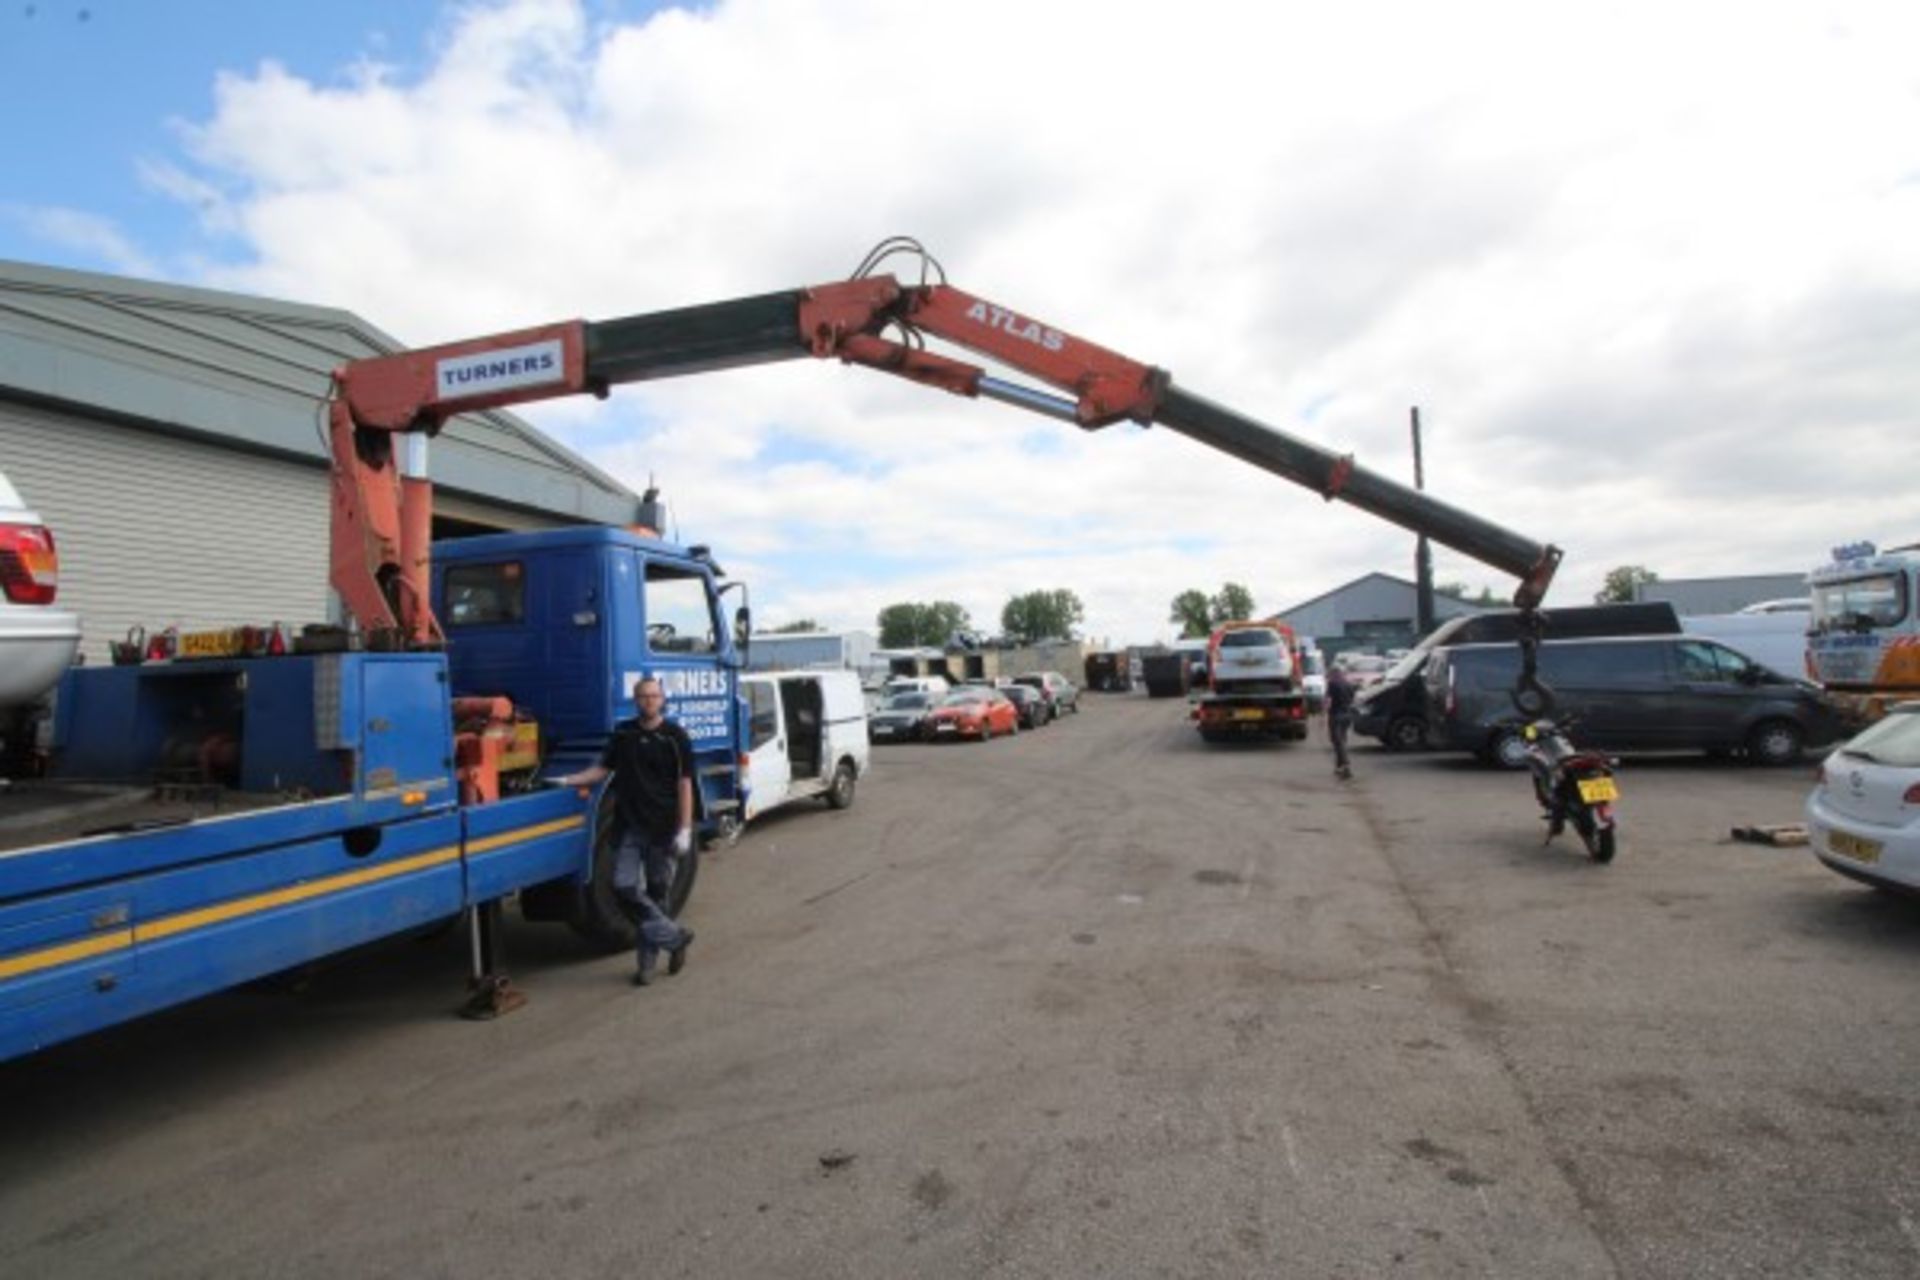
column 1774, row 742
column 1406, row 733
column 600, row 916
column 607, row 921
column 840, row 794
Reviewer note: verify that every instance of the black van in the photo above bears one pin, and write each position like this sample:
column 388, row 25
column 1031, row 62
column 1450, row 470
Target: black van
column 1664, row 693
column 1395, row 709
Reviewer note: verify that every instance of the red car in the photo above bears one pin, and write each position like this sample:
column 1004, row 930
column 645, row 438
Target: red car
column 973, row 713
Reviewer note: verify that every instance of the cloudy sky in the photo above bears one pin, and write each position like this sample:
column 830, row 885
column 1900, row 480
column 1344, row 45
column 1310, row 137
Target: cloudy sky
column 1650, row 271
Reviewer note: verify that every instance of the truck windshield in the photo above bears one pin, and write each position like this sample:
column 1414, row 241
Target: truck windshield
column 679, row 612
column 1860, row 603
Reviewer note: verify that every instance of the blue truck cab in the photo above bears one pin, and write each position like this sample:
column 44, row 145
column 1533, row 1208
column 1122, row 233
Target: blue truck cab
column 215, row 820
column 566, row 622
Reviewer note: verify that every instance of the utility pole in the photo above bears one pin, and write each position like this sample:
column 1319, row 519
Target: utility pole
column 1423, row 552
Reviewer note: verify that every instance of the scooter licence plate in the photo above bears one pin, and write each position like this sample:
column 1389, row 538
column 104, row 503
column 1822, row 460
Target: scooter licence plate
column 1594, row 790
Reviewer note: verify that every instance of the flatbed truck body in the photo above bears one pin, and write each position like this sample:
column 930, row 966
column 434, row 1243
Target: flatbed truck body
column 215, row 821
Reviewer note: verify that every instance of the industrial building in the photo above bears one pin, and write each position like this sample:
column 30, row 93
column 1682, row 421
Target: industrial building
column 1374, row 612
column 173, row 440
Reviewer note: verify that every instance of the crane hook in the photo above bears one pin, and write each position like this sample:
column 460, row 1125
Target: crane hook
column 1531, row 697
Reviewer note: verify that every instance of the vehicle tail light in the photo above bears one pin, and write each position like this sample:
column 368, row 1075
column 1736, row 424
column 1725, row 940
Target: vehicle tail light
column 29, row 566
column 1912, row 795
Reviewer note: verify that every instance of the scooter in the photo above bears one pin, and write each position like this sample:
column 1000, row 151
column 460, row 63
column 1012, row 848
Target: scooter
column 1573, row 786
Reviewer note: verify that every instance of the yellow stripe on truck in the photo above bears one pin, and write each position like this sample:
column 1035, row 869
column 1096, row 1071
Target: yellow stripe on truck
column 168, row 926
column 525, row 833
column 34, row 961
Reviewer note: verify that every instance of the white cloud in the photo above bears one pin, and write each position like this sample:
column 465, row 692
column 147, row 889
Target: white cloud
column 1649, row 269
column 86, row 233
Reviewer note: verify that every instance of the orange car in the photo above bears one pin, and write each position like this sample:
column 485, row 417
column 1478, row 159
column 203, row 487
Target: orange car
column 973, row 713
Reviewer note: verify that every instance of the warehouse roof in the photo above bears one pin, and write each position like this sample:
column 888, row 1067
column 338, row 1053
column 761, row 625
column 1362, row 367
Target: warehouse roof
column 253, row 373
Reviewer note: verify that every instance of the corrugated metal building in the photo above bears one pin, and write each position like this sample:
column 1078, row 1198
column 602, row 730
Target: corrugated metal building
column 1377, row 611
column 172, row 438
column 1691, row 596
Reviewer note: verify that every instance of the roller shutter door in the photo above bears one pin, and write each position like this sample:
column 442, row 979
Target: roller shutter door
column 162, row 531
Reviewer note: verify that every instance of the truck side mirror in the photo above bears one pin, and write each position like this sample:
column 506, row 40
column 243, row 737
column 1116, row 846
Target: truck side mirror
column 742, row 629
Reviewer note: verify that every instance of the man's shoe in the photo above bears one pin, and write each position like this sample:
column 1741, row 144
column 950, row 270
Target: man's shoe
column 642, row 978
column 677, row 958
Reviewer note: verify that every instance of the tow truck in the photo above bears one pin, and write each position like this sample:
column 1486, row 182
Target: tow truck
column 1863, row 640
column 385, row 777
column 1253, row 687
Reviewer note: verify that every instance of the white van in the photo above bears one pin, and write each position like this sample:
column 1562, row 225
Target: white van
column 935, row 686
column 807, row 737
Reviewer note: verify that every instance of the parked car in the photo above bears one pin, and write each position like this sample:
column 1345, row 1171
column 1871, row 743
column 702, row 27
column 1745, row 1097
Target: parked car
column 1649, row 693
column 37, row 639
column 902, row 717
column 1788, row 604
column 973, row 713
column 935, row 685
column 1062, row 694
column 1394, row 709
column 1863, row 816
column 1313, row 679
column 1363, row 669
column 1032, row 705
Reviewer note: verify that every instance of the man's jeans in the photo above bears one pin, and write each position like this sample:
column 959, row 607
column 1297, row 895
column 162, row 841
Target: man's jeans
column 1337, row 727
column 642, row 869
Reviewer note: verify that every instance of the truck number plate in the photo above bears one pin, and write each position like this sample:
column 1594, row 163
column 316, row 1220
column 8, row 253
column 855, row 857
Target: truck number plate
column 1594, row 790
column 1867, row 851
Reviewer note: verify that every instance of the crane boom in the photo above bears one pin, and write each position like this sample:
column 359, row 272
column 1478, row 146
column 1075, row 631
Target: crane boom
column 381, row 515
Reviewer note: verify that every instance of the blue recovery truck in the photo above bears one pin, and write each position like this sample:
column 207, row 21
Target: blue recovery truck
column 214, row 821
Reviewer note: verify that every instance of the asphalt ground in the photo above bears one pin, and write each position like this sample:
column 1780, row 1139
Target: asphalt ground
column 1099, row 1000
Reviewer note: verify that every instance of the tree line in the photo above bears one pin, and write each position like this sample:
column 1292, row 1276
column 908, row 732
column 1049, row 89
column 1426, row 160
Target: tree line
column 1056, row 614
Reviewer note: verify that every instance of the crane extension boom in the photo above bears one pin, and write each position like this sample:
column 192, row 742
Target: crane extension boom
column 381, row 517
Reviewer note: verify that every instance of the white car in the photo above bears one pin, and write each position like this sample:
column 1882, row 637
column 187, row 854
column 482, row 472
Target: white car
column 36, row 640
column 1313, row 678
column 1863, row 818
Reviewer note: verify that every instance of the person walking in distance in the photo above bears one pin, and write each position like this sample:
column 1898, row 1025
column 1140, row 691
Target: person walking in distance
column 1339, row 718
column 650, row 759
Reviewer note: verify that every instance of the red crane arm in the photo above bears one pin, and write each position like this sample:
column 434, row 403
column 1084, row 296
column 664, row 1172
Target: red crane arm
column 382, row 520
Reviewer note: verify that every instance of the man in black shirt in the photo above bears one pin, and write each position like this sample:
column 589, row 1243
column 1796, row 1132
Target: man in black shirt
column 651, row 761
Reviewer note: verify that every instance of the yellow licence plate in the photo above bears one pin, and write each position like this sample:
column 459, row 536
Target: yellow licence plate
column 210, row 644
column 1867, row 851
column 1249, row 713
column 1594, row 790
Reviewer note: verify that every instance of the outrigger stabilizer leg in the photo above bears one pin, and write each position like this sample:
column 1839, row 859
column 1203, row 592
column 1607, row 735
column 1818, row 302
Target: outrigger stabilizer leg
column 490, row 993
